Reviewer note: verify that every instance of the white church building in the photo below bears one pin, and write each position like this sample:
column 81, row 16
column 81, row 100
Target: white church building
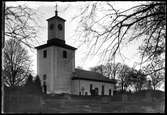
column 56, row 66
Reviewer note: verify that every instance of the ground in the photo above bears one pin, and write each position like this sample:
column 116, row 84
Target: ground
column 35, row 103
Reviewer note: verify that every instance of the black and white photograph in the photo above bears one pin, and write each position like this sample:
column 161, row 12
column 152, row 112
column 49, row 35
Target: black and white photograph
column 83, row 57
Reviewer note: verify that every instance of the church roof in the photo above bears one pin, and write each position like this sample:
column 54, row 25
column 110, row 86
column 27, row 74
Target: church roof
column 56, row 17
column 56, row 42
column 92, row 76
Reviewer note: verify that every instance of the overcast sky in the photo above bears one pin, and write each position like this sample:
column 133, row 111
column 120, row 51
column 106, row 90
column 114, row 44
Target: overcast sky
column 67, row 10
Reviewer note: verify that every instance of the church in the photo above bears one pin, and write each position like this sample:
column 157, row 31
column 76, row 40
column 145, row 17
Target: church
column 56, row 66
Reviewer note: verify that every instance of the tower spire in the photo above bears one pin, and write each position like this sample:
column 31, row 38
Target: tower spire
column 56, row 13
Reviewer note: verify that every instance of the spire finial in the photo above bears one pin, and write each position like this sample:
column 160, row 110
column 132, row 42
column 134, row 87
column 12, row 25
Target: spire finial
column 56, row 10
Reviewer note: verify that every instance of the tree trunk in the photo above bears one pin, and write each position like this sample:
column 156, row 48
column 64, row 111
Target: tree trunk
column 122, row 87
column 154, row 87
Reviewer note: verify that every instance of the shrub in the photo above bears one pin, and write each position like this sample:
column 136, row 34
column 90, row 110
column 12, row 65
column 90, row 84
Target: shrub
column 37, row 83
column 29, row 81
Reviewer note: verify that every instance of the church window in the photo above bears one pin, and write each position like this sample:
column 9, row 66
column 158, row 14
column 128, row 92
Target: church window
column 44, row 77
column 91, row 87
column 102, row 90
column 44, row 87
column 109, row 91
column 60, row 27
column 64, row 54
column 44, row 53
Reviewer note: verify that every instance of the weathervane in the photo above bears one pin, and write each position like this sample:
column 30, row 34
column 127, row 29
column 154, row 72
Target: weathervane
column 56, row 10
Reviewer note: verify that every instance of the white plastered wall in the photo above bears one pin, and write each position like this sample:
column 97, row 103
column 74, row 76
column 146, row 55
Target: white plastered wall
column 78, row 84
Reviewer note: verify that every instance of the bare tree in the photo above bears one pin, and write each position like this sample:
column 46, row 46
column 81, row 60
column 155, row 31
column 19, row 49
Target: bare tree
column 21, row 24
column 109, row 33
column 113, row 69
column 123, row 77
column 16, row 65
column 138, row 79
column 126, row 76
column 131, row 78
column 156, row 71
column 109, row 70
column 99, row 69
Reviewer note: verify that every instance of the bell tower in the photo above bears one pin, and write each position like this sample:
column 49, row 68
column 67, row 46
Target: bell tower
column 56, row 27
column 56, row 59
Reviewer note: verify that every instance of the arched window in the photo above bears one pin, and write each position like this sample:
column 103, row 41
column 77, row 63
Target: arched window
column 64, row 54
column 102, row 91
column 109, row 91
column 45, row 53
column 44, row 77
column 91, row 86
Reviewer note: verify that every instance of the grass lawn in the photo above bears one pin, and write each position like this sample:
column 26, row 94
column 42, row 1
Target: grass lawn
column 97, row 105
column 82, row 104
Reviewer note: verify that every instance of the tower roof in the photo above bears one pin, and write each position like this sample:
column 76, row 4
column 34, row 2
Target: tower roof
column 56, row 12
column 56, row 42
column 56, row 16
